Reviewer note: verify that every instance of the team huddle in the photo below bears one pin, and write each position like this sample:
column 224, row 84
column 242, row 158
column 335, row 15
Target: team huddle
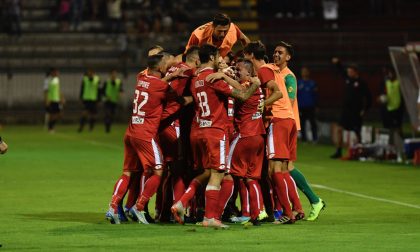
column 209, row 128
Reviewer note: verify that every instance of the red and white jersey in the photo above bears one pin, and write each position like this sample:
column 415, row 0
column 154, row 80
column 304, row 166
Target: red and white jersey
column 149, row 96
column 247, row 117
column 210, row 100
column 178, row 85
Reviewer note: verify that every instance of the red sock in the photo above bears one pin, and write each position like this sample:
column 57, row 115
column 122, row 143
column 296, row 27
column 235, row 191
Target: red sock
column 226, row 192
column 143, row 178
column 275, row 198
column 270, row 185
column 212, row 198
column 281, row 192
column 178, row 188
column 150, row 189
column 254, row 198
column 260, row 196
column 133, row 190
column 243, row 191
column 120, row 188
column 190, row 192
column 293, row 193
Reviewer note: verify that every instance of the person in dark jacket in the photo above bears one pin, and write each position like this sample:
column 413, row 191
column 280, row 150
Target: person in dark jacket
column 356, row 101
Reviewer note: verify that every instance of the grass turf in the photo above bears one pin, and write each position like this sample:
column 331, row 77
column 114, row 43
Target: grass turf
column 55, row 189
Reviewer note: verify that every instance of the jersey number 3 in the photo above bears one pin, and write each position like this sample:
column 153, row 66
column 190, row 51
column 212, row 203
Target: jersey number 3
column 137, row 107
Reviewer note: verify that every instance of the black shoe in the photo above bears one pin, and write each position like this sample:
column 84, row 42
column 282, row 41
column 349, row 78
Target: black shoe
column 270, row 218
column 255, row 222
column 336, row 155
column 149, row 218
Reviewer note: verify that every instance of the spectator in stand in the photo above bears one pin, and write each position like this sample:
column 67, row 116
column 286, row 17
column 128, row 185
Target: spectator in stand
column 307, row 98
column 115, row 16
column 64, row 14
column 76, row 14
column 13, row 16
column 181, row 18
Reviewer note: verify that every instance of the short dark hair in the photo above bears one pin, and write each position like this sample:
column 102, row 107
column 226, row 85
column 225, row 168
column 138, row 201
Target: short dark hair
column 289, row 47
column 206, row 51
column 221, row 19
column 154, row 60
column 192, row 50
column 248, row 64
column 257, row 48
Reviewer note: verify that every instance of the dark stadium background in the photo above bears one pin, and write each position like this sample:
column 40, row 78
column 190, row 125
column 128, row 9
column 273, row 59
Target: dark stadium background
column 361, row 34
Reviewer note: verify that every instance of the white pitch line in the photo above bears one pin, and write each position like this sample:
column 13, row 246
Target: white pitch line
column 112, row 146
column 366, row 196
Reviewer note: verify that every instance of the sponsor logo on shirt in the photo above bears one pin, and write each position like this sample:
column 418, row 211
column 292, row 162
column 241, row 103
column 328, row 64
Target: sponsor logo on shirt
column 205, row 123
column 199, row 83
column 256, row 116
column 137, row 120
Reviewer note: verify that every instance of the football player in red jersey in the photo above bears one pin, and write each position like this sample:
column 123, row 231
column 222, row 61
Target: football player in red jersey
column 210, row 144
column 140, row 146
column 169, row 134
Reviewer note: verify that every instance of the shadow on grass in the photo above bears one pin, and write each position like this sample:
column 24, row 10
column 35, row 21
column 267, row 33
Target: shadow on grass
column 84, row 217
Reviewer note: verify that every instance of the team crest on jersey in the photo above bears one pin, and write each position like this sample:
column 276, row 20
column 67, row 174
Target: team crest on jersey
column 290, row 89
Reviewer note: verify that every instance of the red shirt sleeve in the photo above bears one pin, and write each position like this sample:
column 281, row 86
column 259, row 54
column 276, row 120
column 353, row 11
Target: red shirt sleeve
column 221, row 87
column 265, row 75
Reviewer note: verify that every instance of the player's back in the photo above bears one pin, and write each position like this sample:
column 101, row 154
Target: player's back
column 149, row 95
column 211, row 100
column 247, row 117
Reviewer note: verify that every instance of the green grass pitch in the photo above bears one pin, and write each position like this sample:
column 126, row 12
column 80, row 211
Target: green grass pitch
column 55, row 188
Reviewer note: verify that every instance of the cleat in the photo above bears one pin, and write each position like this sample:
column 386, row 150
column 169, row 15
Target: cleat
column 299, row 216
column 214, row 223
column 140, row 215
column 255, row 222
column 285, row 220
column 278, row 214
column 240, row 219
column 263, row 214
column 130, row 215
column 315, row 210
column 121, row 214
column 148, row 217
column 178, row 212
column 112, row 216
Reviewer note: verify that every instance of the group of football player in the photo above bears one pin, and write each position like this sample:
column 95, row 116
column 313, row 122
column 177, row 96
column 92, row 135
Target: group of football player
column 210, row 128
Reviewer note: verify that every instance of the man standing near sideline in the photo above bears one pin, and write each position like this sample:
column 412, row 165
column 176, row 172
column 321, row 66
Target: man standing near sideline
column 89, row 94
column 112, row 90
column 283, row 53
column 53, row 98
